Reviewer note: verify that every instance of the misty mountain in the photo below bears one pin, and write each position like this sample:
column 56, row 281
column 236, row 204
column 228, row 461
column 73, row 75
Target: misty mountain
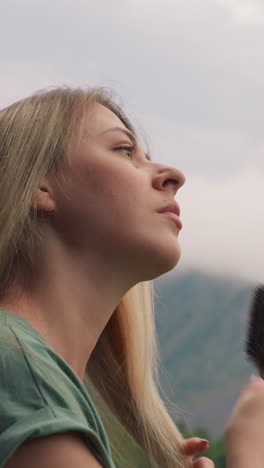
column 202, row 324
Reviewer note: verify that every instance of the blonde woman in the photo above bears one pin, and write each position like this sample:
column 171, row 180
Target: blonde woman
column 86, row 224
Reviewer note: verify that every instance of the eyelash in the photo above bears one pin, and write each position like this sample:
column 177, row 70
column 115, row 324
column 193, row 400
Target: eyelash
column 127, row 147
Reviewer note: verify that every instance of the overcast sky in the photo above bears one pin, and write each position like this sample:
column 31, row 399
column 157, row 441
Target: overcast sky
column 191, row 75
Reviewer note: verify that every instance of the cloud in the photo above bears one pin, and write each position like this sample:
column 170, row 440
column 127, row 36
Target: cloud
column 199, row 151
column 193, row 65
column 20, row 78
column 223, row 228
column 245, row 11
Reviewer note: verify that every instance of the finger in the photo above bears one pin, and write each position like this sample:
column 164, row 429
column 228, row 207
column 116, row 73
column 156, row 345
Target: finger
column 194, row 445
column 255, row 381
column 203, row 462
column 255, row 387
column 255, row 378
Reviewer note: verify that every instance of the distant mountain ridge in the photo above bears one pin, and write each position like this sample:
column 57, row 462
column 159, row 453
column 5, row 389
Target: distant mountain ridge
column 201, row 322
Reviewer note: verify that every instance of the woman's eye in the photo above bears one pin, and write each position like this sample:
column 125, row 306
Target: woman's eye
column 128, row 149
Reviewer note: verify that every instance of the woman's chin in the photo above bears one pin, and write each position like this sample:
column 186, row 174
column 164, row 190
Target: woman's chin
column 166, row 263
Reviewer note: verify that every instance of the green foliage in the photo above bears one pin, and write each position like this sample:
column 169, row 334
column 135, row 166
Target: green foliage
column 216, row 451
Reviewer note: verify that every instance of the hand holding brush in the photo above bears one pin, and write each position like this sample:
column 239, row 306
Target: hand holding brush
column 244, row 433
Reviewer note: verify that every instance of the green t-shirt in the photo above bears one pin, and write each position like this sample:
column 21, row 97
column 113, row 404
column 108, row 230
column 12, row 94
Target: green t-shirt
column 40, row 394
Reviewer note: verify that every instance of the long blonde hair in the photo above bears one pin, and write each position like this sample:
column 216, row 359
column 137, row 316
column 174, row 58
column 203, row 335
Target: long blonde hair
column 122, row 372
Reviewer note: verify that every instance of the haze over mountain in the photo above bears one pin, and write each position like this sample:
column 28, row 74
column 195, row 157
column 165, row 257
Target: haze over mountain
column 202, row 323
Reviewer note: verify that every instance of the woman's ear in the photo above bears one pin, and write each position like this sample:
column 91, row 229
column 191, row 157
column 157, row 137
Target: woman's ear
column 43, row 200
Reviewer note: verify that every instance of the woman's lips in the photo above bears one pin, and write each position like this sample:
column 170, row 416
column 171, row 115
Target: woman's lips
column 174, row 218
column 172, row 211
column 172, row 207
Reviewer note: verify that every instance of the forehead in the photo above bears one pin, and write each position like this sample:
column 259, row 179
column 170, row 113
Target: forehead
column 101, row 118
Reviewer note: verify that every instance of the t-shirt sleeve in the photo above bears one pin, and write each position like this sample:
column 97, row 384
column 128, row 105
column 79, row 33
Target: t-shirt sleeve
column 25, row 414
column 44, row 422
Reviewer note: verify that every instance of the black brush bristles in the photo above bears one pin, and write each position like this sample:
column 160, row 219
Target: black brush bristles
column 255, row 336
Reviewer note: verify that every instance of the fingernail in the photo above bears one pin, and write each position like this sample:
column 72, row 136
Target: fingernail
column 204, row 441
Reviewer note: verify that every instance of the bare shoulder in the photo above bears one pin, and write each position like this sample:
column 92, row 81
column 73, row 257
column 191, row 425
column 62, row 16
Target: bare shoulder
column 58, row 450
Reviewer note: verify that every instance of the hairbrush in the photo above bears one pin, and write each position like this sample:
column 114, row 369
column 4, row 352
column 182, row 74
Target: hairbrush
column 255, row 334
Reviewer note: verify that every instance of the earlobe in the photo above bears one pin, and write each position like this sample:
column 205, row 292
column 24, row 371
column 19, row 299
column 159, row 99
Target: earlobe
column 43, row 202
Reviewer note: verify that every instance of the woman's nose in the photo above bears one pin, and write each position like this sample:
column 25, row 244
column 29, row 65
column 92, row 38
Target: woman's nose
column 180, row 177
column 170, row 175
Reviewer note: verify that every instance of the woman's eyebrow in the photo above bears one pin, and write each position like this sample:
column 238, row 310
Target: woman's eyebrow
column 123, row 130
column 126, row 132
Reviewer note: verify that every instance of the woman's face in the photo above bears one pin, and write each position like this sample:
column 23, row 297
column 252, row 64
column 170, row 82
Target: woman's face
column 110, row 198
